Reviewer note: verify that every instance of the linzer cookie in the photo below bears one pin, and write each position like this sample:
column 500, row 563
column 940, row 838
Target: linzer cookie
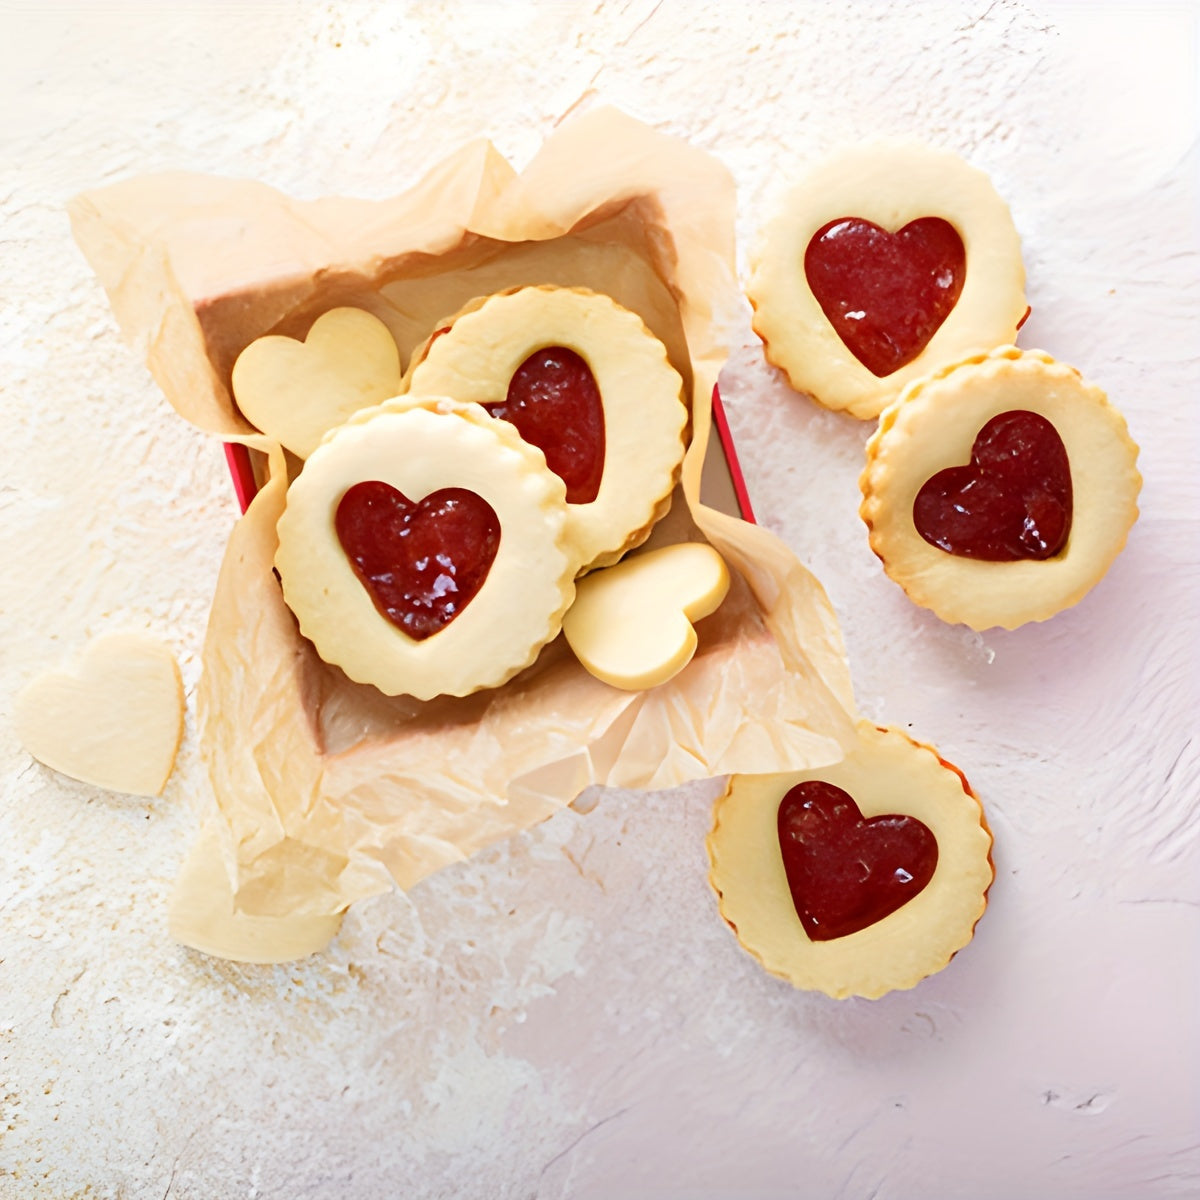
column 999, row 490
column 886, row 262
column 858, row 878
column 422, row 549
column 586, row 382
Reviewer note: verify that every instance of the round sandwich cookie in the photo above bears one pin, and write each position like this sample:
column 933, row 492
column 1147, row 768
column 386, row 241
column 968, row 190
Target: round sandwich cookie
column 885, row 262
column 1000, row 489
column 858, row 878
column 422, row 549
column 586, row 382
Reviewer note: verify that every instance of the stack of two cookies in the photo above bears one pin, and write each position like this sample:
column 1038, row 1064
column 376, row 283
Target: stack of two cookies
column 432, row 539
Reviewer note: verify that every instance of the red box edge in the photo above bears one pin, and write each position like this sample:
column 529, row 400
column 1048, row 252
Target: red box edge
column 245, row 485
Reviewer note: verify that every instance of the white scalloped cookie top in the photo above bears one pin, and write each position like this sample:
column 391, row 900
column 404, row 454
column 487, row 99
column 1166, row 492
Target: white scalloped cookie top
column 422, row 549
column 999, row 490
column 586, row 382
column 887, row 261
column 857, row 878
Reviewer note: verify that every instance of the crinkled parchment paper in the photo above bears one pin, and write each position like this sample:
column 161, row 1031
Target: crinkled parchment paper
column 329, row 791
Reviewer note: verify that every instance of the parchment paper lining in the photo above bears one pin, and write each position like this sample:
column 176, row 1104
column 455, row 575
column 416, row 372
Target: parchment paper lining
column 329, row 792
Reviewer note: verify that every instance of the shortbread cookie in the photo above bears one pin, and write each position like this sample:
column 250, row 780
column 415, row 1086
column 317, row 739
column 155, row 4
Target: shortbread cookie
column 113, row 718
column 632, row 624
column 999, row 490
column 422, row 549
column 886, row 262
column 295, row 392
column 858, row 878
column 587, row 383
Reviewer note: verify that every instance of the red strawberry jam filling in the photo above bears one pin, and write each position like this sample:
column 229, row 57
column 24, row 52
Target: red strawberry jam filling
column 422, row 562
column 555, row 404
column 886, row 294
column 846, row 872
column 1012, row 501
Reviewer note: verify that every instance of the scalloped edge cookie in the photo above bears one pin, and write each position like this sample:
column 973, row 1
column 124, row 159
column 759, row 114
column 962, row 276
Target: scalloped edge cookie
column 933, row 425
column 890, row 184
column 473, row 355
column 888, row 772
column 418, row 445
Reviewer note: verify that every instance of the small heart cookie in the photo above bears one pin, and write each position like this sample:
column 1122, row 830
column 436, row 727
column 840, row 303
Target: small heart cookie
column 295, row 392
column 113, row 720
column 632, row 625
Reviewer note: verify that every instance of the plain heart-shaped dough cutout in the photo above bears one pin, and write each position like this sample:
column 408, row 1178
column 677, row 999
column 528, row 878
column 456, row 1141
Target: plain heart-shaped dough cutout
column 295, row 392
column 114, row 719
column 632, row 624
column 202, row 915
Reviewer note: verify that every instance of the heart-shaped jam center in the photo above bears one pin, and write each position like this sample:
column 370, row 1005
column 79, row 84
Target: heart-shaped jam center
column 1011, row 501
column 846, row 872
column 423, row 561
column 555, row 404
column 886, row 294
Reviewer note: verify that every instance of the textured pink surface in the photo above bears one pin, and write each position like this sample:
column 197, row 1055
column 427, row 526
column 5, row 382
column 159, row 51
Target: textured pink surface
column 566, row 1016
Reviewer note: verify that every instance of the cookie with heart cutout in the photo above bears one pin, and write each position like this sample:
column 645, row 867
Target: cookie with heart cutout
column 296, row 391
column 999, row 490
column 587, row 383
column 885, row 262
column 422, row 549
column 858, row 878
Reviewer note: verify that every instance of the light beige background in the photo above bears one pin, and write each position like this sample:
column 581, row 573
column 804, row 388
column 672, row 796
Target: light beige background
column 566, row 1016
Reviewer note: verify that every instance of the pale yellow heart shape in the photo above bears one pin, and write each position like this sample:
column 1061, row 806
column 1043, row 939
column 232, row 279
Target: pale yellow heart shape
column 631, row 625
column 114, row 719
column 203, row 917
column 295, row 392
